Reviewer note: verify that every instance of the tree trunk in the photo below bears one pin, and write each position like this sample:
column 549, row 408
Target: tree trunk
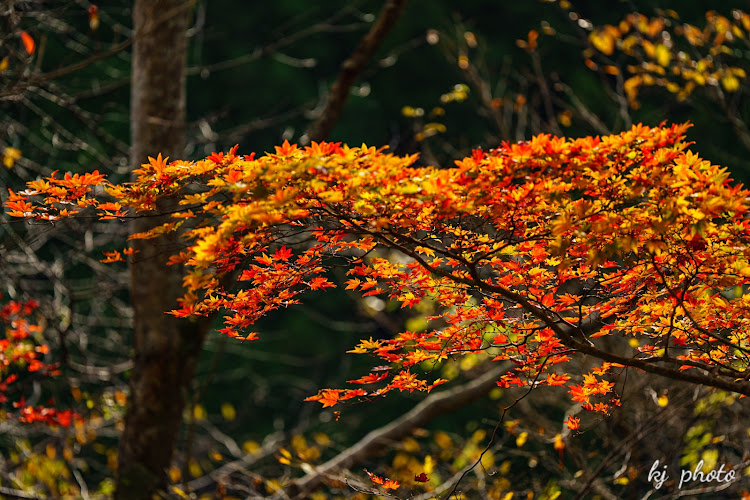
column 165, row 348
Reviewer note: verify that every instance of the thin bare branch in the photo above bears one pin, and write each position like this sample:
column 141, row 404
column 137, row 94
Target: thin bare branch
column 351, row 68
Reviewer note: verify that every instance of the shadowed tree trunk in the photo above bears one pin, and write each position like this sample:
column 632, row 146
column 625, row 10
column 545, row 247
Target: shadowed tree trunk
column 165, row 348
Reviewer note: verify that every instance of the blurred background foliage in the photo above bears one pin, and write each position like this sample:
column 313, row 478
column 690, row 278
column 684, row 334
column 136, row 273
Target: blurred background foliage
column 449, row 78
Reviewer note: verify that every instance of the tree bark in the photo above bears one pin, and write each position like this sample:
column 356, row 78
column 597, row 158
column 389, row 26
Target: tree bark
column 165, row 348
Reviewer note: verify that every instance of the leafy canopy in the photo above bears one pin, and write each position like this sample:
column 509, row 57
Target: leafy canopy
column 628, row 248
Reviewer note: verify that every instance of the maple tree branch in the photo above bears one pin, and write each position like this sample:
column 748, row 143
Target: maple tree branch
column 681, row 303
column 740, row 387
column 352, row 67
column 564, row 331
column 718, row 369
column 432, row 406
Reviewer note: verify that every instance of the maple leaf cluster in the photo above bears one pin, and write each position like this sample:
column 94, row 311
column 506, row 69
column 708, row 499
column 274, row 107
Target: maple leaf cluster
column 388, row 484
column 19, row 353
column 629, row 248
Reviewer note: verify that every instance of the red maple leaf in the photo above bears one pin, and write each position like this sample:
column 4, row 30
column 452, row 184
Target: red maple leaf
column 282, row 253
column 369, row 378
column 421, row 478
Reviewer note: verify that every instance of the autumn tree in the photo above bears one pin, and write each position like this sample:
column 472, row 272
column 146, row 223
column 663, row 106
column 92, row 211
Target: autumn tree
column 628, row 248
column 555, row 91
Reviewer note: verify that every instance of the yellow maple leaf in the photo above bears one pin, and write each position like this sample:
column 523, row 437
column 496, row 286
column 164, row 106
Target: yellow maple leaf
column 10, row 156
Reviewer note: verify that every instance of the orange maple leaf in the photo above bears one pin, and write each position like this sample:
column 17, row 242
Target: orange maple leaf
column 573, row 423
column 389, row 484
column 555, row 379
column 327, row 397
column 352, row 284
column 369, row 378
column 28, row 43
column 265, row 259
column 113, row 256
column 158, row 163
column 286, row 149
column 320, row 283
